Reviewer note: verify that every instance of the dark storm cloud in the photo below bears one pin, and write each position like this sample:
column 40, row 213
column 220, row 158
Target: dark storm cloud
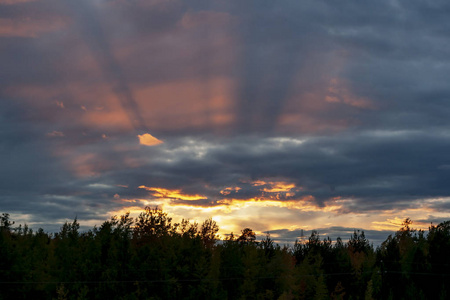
column 28, row 170
column 378, row 172
column 22, row 152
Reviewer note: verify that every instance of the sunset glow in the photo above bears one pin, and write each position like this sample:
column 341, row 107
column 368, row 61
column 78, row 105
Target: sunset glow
column 147, row 139
column 170, row 194
column 280, row 117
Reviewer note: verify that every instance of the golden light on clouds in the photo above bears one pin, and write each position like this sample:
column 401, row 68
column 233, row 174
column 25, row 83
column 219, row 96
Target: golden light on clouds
column 266, row 214
column 147, row 139
column 304, row 204
column 258, row 183
column 235, row 214
column 277, row 187
column 171, row 194
column 274, row 186
column 388, row 224
column 229, row 190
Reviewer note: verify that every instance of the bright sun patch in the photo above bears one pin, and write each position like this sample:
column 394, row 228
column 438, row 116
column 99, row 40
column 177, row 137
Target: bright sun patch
column 147, row 139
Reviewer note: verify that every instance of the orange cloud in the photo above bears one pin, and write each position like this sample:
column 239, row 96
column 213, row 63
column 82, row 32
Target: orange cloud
column 229, row 190
column 104, row 111
column 281, row 189
column 147, row 139
column 171, row 194
column 276, row 187
column 114, row 118
column 187, row 104
column 258, row 183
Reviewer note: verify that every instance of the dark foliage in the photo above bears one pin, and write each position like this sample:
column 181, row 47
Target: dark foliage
column 151, row 257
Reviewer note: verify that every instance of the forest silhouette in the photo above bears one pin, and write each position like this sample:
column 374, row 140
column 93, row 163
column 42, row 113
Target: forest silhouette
column 151, row 257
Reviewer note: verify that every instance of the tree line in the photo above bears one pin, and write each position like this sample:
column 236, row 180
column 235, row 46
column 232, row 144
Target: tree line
column 151, row 257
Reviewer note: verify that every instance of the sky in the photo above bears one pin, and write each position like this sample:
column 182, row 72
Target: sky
column 282, row 116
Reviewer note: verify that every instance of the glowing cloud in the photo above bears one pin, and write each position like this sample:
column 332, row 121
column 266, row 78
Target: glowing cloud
column 277, row 187
column 229, row 190
column 281, row 189
column 303, row 204
column 171, row 194
column 147, row 139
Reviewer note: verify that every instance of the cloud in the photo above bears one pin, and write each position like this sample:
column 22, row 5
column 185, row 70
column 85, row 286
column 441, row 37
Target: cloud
column 86, row 18
column 55, row 134
column 28, row 27
column 13, row 2
column 148, row 140
column 171, row 194
column 296, row 115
